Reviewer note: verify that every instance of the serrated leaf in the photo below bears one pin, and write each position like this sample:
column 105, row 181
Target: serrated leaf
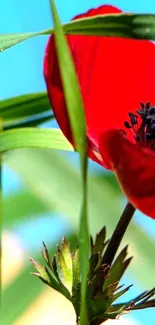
column 54, row 267
column 93, row 261
column 66, row 251
column 121, row 292
column 110, row 290
column 76, row 294
column 150, row 293
column 118, row 268
column 100, row 303
column 41, row 270
column 76, row 267
column 147, row 304
column 100, row 243
column 46, row 276
column 56, row 285
column 102, row 300
column 113, row 314
column 142, row 300
column 96, row 285
column 45, row 255
column 64, row 256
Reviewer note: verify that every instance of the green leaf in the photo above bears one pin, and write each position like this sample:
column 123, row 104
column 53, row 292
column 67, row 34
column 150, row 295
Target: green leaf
column 99, row 243
column 121, row 292
column 26, row 283
column 25, row 110
column 24, row 106
column 76, row 281
column 93, row 261
column 33, row 138
column 65, row 263
column 77, row 120
column 61, row 183
column 138, row 26
column 118, row 268
column 42, row 273
column 47, row 277
column 9, row 40
column 28, row 122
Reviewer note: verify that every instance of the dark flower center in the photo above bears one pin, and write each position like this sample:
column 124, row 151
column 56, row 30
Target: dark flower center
column 142, row 125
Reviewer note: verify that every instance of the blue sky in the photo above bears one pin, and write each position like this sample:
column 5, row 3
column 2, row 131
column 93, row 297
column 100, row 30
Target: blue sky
column 21, row 66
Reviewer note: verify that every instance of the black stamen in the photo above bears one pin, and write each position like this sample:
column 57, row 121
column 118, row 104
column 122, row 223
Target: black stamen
column 147, row 106
column 133, row 120
column 151, row 111
column 142, row 105
column 146, row 129
column 127, row 125
column 141, row 113
column 132, row 114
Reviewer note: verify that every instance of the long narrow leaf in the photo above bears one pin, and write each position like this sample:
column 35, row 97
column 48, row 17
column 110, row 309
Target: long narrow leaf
column 77, row 120
column 138, row 26
column 25, row 110
column 24, row 106
column 28, row 122
column 33, row 138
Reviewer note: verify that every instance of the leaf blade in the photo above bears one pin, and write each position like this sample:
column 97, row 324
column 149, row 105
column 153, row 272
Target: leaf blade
column 33, row 138
column 76, row 115
column 138, row 26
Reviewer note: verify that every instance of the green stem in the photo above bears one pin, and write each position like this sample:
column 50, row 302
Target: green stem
column 118, row 234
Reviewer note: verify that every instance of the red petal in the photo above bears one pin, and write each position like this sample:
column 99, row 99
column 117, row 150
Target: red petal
column 134, row 167
column 54, row 88
column 115, row 74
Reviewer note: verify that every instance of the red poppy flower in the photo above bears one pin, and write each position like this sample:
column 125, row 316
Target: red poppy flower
column 115, row 75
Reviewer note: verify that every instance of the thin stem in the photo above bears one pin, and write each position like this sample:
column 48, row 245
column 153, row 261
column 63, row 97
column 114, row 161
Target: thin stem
column 118, row 234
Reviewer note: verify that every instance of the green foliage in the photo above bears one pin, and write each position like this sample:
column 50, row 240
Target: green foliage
column 76, row 115
column 55, row 186
column 138, row 26
column 118, row 268
column 24, row 106
column 25, row 110
column 48, row 172
column 103, row 288
column 33, row 138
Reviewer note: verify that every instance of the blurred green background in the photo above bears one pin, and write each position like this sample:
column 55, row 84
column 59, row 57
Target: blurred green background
column 42, row 187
